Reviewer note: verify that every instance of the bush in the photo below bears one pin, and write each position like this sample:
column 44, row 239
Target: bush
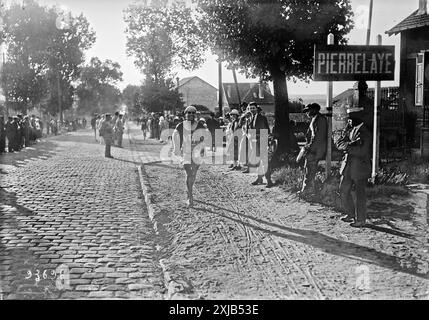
column 388, row 182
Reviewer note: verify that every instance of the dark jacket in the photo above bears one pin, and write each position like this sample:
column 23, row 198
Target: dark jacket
column 317, row 137
column 212, row 125
column 356, row 145
column 259, row 122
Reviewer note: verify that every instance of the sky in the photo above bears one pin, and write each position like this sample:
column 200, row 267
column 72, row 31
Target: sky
column 106, row 18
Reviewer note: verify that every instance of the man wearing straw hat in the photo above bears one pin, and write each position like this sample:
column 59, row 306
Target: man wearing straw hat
column 356, row 167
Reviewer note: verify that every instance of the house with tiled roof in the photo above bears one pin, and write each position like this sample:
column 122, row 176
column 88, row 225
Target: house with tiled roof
column 414, row 74
column 196, row 91
column 248, row 92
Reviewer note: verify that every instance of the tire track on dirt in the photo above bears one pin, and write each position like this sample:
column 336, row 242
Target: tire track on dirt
column 273, row 245
column 270, row 276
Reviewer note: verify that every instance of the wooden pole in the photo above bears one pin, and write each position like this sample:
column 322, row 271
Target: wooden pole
column 376, row 133
column 368, row 32
column 220, row 99
column 234, row 74
column 329, row 118
column 60, row 106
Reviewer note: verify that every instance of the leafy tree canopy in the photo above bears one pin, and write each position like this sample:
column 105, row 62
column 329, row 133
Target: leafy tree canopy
column 45, row 48
column 267, row 35
column 159, row 97
column 274, row 40
column 161, row 37
column 97, row 91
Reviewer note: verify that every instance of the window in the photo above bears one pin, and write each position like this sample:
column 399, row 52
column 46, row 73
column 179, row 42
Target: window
column 419, row 80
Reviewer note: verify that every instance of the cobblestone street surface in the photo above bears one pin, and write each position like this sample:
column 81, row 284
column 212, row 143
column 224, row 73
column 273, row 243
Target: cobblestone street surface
column 75, row 225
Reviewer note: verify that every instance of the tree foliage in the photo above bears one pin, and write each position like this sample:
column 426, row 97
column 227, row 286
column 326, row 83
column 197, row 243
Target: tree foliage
column 159, row 97
column 274, row 39
column 162, row 37
column 97, row 91
column 131, row 98
column 44, row 54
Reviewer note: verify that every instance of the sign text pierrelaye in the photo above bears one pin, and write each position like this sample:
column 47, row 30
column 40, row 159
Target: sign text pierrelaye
column 353, row 63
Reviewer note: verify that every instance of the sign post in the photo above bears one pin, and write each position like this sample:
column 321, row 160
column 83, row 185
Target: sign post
column 329, row 118
column 356, row 63
column 376, row 134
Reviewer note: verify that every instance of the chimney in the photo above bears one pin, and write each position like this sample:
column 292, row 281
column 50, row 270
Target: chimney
column 423, row 7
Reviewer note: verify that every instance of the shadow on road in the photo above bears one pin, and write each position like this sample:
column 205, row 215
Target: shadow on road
column 325, row 243
column 43, row 150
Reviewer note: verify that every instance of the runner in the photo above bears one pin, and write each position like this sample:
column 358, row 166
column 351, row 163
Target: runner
column 187, row 135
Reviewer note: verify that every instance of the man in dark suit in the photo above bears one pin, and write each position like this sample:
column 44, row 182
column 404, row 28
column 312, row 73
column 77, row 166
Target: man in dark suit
column 2, row 135
column 258, row 126
column 315, row 147
column 355, row 170
column 213, row 125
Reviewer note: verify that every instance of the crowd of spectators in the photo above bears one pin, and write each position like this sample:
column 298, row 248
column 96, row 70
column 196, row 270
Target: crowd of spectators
column 21, row 131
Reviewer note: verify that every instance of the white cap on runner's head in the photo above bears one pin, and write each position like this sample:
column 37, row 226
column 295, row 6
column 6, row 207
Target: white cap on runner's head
column 190, row 109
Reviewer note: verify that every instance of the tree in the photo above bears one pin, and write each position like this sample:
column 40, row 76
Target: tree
column 131, row 98
column 162, row 37
column 274, row 40
column 45, row 53
column 97, row 91
column 2, row 17
column 159, row 97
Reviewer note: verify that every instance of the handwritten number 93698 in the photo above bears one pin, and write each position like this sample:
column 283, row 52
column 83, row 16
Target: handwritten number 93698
column 38, row 275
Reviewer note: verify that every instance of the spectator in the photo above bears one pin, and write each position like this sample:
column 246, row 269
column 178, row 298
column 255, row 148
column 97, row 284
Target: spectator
column 356, row 167
column 213, row 125
column 107, row 132
column 315, row 147
column 119, row 130
column 259, row 125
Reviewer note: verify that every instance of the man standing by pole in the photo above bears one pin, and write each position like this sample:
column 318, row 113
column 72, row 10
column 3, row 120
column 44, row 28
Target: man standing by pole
column 315, row 147
column 355, row 170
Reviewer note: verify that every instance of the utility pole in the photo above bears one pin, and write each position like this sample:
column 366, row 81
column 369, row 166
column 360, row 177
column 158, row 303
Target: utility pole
column 60, row 106
column 376, row 131
column 234, row 74
column 220, row 96
column 328, row 114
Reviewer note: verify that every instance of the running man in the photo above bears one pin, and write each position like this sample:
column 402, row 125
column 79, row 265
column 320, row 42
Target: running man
column 188, row 135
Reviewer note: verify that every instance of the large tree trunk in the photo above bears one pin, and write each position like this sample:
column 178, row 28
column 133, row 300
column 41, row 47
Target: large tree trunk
column 281, row 114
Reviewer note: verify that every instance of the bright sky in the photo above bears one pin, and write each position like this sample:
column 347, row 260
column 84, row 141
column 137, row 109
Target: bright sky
column 106, row 18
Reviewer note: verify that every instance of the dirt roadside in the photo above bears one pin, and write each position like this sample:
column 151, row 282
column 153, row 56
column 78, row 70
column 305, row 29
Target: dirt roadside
column 245, row 242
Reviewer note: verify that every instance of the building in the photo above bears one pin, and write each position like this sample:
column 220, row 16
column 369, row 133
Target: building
column 196, row 91
column 414, row 72
column 396, row 130
column 248, row 92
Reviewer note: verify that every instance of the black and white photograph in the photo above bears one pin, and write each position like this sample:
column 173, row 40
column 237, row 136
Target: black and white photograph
column 226, row 151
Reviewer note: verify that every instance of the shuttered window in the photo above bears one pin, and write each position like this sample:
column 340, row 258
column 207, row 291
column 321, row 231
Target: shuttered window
column 420, row 72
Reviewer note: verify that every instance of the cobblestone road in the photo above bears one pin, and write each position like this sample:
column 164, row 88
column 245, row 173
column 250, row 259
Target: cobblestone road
column 74, row 224
column 68, row 212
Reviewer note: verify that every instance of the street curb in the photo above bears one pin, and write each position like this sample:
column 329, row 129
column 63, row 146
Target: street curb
column 178, row 288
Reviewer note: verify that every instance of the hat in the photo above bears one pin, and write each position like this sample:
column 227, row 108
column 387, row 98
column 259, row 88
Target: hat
column 190, row 109
column 312, row 106
column 234, row 111
column 355, row 109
